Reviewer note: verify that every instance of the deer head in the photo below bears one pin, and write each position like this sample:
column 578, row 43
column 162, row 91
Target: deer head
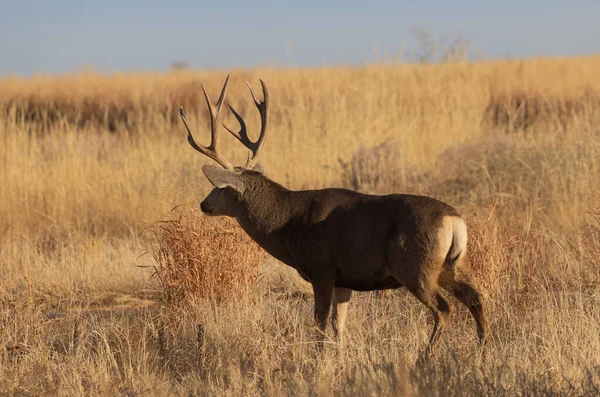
column 230, row 182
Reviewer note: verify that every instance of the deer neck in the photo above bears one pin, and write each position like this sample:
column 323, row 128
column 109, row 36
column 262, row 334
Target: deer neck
column 265, row 212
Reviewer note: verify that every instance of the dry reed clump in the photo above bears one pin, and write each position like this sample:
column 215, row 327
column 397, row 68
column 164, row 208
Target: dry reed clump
column 198, row 257
column 521, row 111
column 377, row 169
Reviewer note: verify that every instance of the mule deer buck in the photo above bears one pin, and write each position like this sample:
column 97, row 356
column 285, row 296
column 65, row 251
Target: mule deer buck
column 340, row 240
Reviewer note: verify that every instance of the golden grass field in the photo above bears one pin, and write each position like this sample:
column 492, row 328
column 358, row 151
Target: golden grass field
column 91, row 163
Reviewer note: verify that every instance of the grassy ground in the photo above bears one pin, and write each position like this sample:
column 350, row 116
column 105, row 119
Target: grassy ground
column 90, row 163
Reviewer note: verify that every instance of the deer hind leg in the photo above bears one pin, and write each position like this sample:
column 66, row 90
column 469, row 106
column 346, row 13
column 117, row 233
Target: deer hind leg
column 341, row 297
column 441, row 310
column 431, row 297
column 471, row 298
column 323, row 294
column 418, row 270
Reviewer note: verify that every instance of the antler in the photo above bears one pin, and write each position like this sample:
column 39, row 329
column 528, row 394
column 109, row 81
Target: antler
column 242, row 134
column 212, row 150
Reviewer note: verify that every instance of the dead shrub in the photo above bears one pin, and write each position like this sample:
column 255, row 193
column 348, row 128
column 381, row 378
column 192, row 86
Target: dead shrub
column 205, row 258
column 378, row 169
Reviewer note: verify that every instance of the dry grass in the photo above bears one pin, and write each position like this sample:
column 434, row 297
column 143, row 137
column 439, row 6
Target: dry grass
column 89, row 162
column 200, row 257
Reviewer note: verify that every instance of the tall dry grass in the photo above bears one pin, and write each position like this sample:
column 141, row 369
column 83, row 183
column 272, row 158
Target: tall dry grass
column 89, row 162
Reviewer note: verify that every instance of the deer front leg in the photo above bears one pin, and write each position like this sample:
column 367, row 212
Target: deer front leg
column 323, row 293
column 341, row 297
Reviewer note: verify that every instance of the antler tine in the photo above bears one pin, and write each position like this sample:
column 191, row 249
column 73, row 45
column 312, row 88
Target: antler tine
column 256, row 101
column 212, row 150
column 242, row 135
column 263, row 109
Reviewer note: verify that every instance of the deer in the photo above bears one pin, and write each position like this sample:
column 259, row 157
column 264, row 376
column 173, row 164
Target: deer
column 341, row 240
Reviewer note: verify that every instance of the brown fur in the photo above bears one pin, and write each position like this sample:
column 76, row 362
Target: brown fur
column 340, row 240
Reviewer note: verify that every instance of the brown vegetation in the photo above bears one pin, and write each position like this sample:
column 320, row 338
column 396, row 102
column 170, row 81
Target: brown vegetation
column 203, row 258
column 89, row 162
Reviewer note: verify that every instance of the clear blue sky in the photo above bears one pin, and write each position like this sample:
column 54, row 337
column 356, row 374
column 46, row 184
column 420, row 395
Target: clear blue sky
column 62, row 36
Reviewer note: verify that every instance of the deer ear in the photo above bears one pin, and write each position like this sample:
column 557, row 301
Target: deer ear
column 221, row 178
